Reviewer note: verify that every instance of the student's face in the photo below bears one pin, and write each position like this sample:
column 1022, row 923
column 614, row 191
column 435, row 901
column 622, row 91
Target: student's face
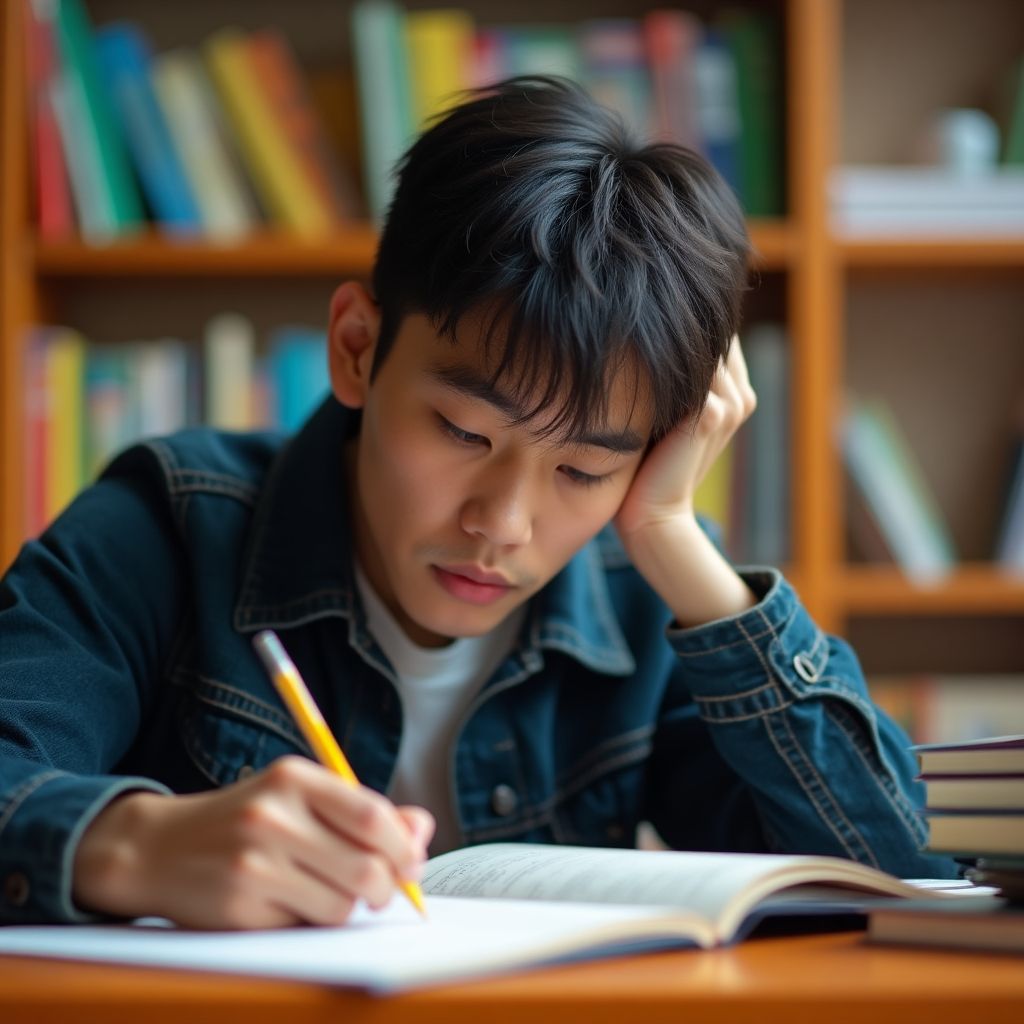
column 461, row 516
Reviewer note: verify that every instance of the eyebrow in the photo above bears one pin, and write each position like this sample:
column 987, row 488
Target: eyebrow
column 469, row 383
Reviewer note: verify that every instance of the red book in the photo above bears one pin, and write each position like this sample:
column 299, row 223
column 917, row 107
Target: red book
column 54, row 212
column 36, row 414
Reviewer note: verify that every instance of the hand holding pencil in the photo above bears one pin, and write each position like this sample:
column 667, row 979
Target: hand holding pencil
column 307, row 716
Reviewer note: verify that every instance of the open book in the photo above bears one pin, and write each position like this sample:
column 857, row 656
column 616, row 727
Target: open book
column 503, row 907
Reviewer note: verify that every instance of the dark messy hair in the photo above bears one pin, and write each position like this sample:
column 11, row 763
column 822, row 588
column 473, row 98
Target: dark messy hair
column 587, row 251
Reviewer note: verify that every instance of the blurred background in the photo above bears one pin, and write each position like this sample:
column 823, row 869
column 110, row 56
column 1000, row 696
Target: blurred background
column 183, row 185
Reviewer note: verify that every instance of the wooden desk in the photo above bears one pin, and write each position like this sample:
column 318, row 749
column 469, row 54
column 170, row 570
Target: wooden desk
column 825, row 979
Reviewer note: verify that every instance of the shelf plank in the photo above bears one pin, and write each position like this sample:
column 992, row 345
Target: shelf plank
column 868, row 253
column 267, row 253
column 973, row 589
column 271, row 253
column 774, row 242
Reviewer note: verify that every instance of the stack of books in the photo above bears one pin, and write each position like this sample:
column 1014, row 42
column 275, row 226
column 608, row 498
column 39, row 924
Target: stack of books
column 975, row 811
column 927, row 201
column 975, row 806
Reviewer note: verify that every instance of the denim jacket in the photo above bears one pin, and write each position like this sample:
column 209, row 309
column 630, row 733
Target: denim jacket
column 126, row 663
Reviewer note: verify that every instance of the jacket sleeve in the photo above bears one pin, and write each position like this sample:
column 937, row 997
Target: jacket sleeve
column 87, row 613
column 770, row 718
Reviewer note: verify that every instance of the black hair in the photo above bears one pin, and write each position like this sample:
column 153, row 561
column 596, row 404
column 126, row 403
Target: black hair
column 589, row 251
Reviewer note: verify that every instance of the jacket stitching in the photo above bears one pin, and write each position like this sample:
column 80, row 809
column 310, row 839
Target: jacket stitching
column 627, row 757
column 748, row 637
column 871, row 760
column 607, row 746
column 20, row 795
column 812, row 784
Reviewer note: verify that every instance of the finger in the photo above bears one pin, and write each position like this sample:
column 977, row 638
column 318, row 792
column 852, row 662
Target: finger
column 420, row 823
column 363, row 817
column 357, row 874
column 305, row 896
column 309, row 854
column 740, row 373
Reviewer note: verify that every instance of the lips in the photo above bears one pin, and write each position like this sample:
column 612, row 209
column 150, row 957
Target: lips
column 471, row 572
column 472, row 585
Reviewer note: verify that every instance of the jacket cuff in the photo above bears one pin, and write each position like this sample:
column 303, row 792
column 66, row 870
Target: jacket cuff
column 775, row 645
column 40, row 828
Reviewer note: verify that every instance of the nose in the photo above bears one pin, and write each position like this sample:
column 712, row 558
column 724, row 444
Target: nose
column 499, row 508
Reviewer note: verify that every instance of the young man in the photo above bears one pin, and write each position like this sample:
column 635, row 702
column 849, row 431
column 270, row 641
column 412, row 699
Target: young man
column 546, row 352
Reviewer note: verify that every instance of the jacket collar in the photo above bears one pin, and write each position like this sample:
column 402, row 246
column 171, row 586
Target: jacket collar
column 298, row 565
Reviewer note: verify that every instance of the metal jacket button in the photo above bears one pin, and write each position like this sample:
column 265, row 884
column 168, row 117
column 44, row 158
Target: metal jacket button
column 504, row 800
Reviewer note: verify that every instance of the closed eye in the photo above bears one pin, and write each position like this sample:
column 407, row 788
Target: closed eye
column 577, row 476
column 458, row 434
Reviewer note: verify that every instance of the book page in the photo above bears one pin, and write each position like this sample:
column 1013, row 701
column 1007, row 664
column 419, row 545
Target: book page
column 381, row 951
column 705, row 883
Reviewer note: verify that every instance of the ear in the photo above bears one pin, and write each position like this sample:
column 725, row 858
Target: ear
column 352, row 341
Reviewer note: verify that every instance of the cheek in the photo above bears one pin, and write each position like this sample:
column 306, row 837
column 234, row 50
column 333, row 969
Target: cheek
column 407, row 470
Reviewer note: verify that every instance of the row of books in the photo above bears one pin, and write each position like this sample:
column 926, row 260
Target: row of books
column 206, row 143
column 893, row 512
column 85, row 401
column 716, row 88
column 975, row 812
column 746, row 491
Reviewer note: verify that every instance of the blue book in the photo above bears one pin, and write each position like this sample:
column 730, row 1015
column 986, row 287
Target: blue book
column 125, row 62
column 298, row 371
column 718, row 109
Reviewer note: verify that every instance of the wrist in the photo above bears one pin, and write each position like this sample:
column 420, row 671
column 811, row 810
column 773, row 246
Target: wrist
column 681, row 563
column 111, row 859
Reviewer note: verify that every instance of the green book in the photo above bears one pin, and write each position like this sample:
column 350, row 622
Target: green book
column 756, row 44
column 1013, row 147
column 118, row 190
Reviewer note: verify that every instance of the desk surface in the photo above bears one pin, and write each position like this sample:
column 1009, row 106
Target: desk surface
column 827, row 979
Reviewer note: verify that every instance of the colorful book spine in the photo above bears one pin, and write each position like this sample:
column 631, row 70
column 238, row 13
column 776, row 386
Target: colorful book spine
column 1010, row 543
column 64, row 456
column 671, row 38
column 89, row 112
column 110, row 418
column 616, row 70
column 766, row 517
column 37, row 417
column 125, row 63
column 287, row 96
column 194, row 119
column 298, row 375
column 379, row 55
column 273, row 165
column 882, row 466
column 54, row 212
column 718, row 114
column 440, row 47
column 229, row 367
column 756, row 44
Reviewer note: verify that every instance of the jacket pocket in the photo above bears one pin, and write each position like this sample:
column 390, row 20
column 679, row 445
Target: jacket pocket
column 229, row 735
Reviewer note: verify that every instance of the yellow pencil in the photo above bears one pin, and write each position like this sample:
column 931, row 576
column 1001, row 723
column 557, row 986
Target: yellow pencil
column 310, row 721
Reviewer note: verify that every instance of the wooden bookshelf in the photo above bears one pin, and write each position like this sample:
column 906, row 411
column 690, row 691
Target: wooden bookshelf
column 843, row 101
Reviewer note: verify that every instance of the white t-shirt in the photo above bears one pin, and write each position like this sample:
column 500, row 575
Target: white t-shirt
column 436, row 685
